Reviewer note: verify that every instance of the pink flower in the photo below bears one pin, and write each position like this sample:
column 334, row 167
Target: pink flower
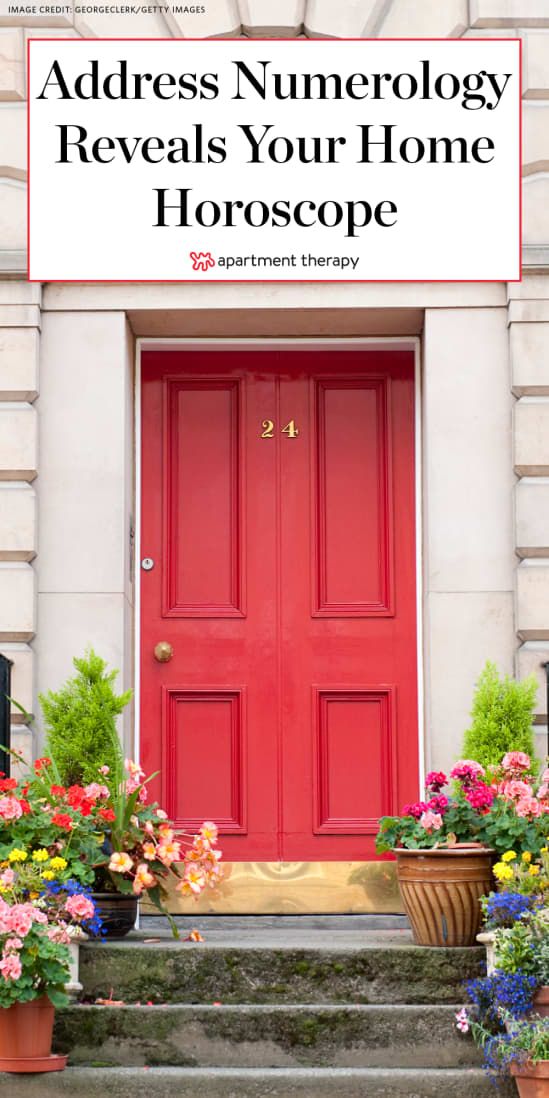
column 12, row 945
column 161, row 815
column 143, row 878
column 516, row 760
column 435, row 780
column 462, row 1020
column 80, row 907
column 21, row 920
column 467, row 771
column 120, row 863
column 7, row 877
column 143, row 795
column 438, row 804
column 134, row 769
column 104, row 770
column 10, row 967
column 431, row 821
column 515, row 789
column 542, row 793
column 528, row 806
column 545, row 777
column 10, row 809
column 415, row 810
column 94, row 791
column 480, row 795
column 59, row 933
column 208, row 833
column 168, row 852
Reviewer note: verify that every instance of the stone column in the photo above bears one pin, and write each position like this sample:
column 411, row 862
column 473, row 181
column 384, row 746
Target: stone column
column 85, row 581
column 467, row 508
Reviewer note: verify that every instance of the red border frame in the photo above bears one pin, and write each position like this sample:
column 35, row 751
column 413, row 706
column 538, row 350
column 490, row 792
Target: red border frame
column 271, row 281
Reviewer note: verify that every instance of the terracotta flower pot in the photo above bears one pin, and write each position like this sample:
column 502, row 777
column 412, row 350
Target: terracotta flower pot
column 541, row 1001
column 26, row 1029
column 532, row 1079
column 441, row 890
column 117, row 911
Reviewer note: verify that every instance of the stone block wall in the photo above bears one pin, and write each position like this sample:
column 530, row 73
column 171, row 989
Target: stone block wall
column 521, row 372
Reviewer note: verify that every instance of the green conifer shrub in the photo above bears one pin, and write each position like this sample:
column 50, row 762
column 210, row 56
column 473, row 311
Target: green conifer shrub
column 80, row 721
column 503, row 714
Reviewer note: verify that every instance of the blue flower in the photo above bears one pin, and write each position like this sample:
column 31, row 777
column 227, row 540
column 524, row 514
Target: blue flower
column 503, row 991
column 504, row 908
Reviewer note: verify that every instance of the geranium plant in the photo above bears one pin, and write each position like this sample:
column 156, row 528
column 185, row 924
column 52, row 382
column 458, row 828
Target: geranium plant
column 498, row 808
column 36, row 921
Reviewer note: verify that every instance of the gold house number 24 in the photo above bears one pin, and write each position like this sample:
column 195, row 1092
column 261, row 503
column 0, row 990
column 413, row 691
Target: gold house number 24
column 268, row 429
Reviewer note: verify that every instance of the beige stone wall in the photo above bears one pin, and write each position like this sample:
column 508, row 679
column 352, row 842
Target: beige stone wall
column 66, row 391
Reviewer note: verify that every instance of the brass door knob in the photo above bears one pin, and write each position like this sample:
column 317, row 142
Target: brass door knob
column 163, row 652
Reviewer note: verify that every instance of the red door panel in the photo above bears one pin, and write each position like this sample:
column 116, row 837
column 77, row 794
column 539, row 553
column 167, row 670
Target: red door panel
column 278, row 507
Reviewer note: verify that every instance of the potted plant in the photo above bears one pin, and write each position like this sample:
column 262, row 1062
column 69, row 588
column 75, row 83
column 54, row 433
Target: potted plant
column 523, row 886
column 501, row 909
column 524, row 947
column 519, row 1047
column 103, row 800
column 445, row 844
column 36, row 918
column 502, row 717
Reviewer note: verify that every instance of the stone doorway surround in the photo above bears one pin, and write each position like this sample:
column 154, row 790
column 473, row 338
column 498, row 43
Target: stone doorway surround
column 67, row 358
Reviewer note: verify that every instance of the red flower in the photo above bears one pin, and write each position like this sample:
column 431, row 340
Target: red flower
column 25, row 807
column 85, row 807
column 41, row 763
column 75, row 796
column 57, row 790
column 62, row 819
column 107, row 814
column 7, row 784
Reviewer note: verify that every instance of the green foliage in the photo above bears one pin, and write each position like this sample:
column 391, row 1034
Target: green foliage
column 80, row 721
column 502, row 717
column 524, row 946
column 44, row 971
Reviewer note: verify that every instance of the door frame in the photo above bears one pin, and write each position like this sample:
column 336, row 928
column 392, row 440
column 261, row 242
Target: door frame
column 194, row 344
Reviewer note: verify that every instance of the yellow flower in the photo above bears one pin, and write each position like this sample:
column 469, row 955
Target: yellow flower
column 544, row 850
column 47, row 875
column 509, row 856
column 3, row 888
column 16, row 855
column 503, row 872
column 533, row 870
column 526, row 856
column 58, row 862
column 40, row 855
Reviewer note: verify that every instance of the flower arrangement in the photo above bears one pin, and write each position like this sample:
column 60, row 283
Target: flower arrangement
column 499, row 808
column 104, row 834
column 524, row 1042
column 37, row 917
column 503, row 1023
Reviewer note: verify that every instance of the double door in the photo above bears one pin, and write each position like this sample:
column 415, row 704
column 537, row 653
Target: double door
column 278, row 512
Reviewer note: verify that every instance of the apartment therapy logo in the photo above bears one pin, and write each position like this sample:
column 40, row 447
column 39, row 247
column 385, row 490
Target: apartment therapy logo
column 352, row 136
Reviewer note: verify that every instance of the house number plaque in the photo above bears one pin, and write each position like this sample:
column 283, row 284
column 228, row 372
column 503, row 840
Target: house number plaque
column 268, row 429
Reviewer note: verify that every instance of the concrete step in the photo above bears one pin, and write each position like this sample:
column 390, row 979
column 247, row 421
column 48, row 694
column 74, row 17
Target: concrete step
column 380, row 967
column 264, row 1036
column 89, row 1082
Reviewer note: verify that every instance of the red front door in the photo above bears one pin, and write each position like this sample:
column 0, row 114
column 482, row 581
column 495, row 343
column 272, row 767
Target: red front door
column 278, row 509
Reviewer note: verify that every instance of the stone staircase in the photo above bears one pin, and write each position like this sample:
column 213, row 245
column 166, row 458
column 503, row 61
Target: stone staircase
column 267, row 1008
